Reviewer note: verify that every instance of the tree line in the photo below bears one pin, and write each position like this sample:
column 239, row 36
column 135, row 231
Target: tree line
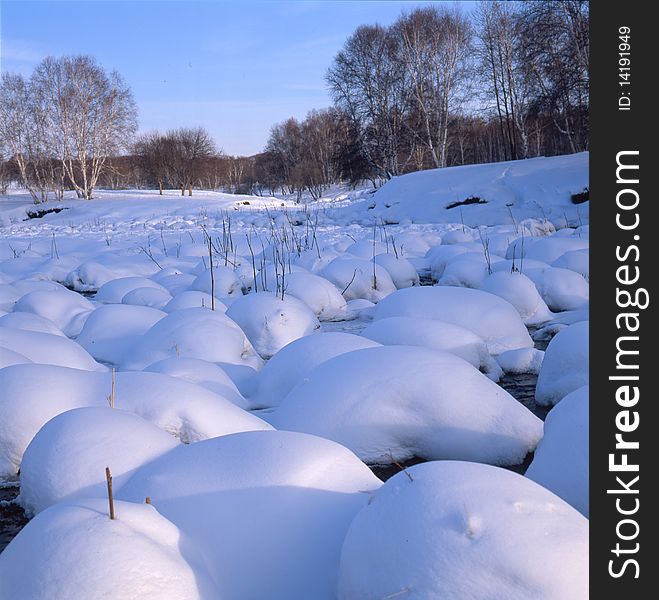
column 439, row 87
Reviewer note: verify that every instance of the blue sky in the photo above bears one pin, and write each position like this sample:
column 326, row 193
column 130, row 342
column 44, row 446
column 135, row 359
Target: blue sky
column 234, row 67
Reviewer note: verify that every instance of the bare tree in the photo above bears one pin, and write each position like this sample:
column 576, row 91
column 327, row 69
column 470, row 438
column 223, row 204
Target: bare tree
column 434, row 49
column 367, row 82
column 91, row 115
column 186, row 151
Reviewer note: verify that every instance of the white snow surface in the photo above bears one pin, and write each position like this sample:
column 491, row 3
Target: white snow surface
column 463, row 530
column 75, row 552
column 275, row 501
column 565, row 365
column 393, row 403
column 490, row 317
column 67, row 458
column 560, row 462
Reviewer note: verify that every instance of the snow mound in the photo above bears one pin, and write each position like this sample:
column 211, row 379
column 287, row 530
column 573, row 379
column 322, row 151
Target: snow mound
column 319, row 294
column 11, row 357
column 465, row 270
column 29, row 322
column 31, row 396
column 63, row 307
column 294, row 362
column 225, row 283
column 112, row 330
column 560, row 462
column 113, row 291
column 561, row 289
column 66, row 460
column 401, row 270
column 270, row 322
column 525, row 187
column 48, row 349
column 354, row 278
column 493, row 319
column 201, row 372
column 147, row 296
column 193, row 299
column 462, row 530
column 275, row 501
column 435, row 334
column 34, row 394
column 565, row 366
column 89, row 277
column 524, row 360
column 521, row 292
column 193, row 333
column 73, row 551
column 393, row 403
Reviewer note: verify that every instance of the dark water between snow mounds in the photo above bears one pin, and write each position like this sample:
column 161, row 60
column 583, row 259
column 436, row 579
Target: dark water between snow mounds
column 12, row 516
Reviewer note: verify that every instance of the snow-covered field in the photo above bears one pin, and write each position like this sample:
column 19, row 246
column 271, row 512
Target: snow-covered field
column 242, row 361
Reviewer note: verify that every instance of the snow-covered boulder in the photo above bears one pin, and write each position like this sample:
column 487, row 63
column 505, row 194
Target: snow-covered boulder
column 565, row 366
column 354, row 277
column 114, row 291
column 465, row 270
column 48, row 349
column 194, row 333
column 147, row 296
column 270, row 322
column 435, row 334
column 112, row 330
column 29, row 322
column 201, row 372
column 439, row 256
column 493, row 319
column 294, row 362
column 462, row 530
column 193, row 299
column 67, row 458
column 560, row 462
column 561, row 289
column 224, row 283
column 521, row 292
column 393, row 403
column 89, row 277
column 524, row 360
column 267, row 510
column 11, row 357
column 401, row 270
column 319, row 294
column 63, row 307
column 34, row 394
column 73, row 551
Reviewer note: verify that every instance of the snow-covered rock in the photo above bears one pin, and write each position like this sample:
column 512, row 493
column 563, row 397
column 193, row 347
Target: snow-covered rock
column 294, row 362
column 521, row 292
column 270, row 322
column 224, row 283
column 401, row 270
column 267, row 510
column 560, row 462
column 113, row 291
column 565, row 366
column 393, row 403
column 524, row 360
column 461, row 530
column 66, row 459
column 319, row 294
column 112, row 330
column 194, row 333
column 193, row 299
column 354, row 277
column 63, row 307
column 48, row 349
column 33, row 394
column 490, row 317
column 204, row 373
column 147, row 296
column 435, row 334
column 74, row 551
